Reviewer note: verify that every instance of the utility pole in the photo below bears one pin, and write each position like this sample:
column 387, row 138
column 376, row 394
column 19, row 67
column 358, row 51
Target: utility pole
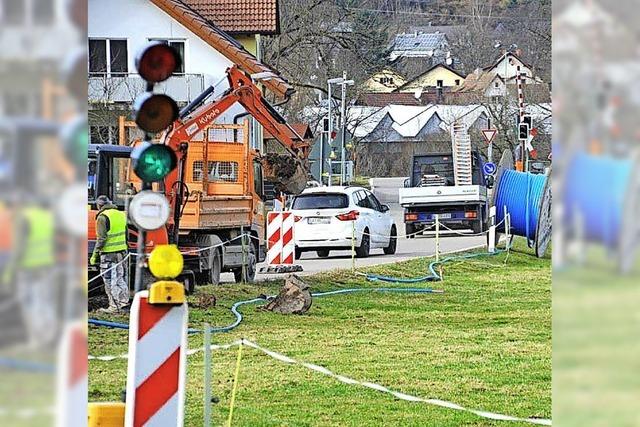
column 329, row 138
column 343, row 122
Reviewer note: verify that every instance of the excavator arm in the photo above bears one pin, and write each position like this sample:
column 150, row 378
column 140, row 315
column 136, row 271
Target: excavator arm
column 289, row 171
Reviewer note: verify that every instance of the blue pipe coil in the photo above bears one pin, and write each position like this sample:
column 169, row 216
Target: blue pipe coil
column 595, row 191
column 520, row 193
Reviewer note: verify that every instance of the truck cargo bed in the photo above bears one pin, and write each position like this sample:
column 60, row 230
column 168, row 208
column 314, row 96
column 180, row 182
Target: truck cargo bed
column 441, row 194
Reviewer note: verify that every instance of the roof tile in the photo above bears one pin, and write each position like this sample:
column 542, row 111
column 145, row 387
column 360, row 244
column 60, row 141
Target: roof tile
column 240, row 16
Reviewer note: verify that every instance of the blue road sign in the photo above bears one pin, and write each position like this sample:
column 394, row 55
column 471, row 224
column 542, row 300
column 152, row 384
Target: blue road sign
column 489, row 168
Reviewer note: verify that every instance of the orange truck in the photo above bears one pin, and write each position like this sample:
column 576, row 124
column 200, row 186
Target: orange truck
column 217, row 190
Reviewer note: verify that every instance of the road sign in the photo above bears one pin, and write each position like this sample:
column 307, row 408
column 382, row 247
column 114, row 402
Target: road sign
column 489, row 134
column 489, row 168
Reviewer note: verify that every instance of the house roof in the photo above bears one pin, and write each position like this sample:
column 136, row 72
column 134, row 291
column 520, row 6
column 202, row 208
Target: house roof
column 302, row 129
column 504, row 55
column 478, row 81
column 224, row 43
column 419, row 42
column 240, row 16
column 448, row 30
column 446, row 67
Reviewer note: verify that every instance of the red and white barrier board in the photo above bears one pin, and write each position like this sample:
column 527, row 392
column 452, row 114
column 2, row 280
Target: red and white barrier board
column 72, row 380
column 157, row 364
column 280, row 237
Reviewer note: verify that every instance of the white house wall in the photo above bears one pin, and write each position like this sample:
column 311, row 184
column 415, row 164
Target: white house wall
column 140, row 20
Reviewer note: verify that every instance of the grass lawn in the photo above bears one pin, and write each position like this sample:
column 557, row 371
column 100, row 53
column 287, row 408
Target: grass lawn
column 484, row 344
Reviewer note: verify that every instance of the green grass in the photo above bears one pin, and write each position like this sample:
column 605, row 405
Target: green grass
column 484, row 344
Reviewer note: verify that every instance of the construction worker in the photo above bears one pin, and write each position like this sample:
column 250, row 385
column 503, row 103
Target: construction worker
column 110, row 251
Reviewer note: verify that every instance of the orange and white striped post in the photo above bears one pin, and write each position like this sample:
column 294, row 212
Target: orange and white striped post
column 157, row 363
column 280, row 237
column 72, row 380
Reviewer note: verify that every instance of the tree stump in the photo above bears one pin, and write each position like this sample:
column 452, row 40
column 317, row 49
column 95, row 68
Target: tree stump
column 294, row 297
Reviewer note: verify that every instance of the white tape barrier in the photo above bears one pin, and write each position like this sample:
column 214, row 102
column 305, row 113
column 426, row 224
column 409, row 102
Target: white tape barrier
column 346, row 380
column 27, row 413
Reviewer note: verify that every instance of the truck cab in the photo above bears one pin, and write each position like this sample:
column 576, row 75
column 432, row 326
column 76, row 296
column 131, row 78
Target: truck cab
column 431, row 190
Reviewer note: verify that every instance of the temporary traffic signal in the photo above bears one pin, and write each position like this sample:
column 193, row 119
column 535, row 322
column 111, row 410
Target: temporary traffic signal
column 152, row 162
column 157, row 62
column 155, row 112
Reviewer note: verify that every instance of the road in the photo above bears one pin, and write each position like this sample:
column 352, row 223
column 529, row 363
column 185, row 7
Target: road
column 421, row 246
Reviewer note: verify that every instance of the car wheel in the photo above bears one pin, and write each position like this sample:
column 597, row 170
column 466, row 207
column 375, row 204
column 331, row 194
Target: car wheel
column 393, row 242
column 323, row 253
column 298, row 253
column 362, row 251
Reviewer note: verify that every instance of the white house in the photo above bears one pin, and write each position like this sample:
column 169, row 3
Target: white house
column 118, row 29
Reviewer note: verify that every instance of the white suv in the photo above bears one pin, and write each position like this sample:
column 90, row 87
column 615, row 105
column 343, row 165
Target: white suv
column 324, row 219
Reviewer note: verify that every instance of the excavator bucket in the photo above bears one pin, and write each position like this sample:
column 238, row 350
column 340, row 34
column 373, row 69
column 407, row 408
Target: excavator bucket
column 287, row 172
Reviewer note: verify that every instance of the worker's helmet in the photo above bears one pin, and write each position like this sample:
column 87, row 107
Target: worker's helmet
column 102, row 201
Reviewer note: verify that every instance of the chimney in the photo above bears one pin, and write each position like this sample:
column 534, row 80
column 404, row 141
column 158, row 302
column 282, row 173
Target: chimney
column 518, row 52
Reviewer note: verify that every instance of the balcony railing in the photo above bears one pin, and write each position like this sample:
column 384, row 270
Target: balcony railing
column 125, row 88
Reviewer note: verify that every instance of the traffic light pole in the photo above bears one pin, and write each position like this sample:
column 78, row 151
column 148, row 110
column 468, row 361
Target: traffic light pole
column 140, row 252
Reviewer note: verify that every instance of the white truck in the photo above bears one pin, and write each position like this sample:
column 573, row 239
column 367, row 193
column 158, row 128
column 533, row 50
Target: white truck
column 431, row 190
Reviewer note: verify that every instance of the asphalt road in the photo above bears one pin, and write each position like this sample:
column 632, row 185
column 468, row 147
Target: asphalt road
column 421, row 246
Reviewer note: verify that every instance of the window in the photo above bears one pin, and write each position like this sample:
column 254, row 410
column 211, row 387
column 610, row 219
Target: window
column 108, row 56
column 363, row 201
column 257, row 179
column 439, row 83
column 321, row 201
column 177, row 45
column 496, row 84
column 13, row 12
column 17, row 104
column 373, row 202
column 43, row 12
column 118, row 55
column 457, row 82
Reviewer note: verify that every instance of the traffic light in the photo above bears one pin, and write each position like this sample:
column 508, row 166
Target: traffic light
column 523, row 131
column 149, row 210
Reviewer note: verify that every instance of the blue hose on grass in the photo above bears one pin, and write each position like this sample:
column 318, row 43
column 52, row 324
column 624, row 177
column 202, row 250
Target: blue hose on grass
column 434, row 276
column 521, row 194
column 236, row 312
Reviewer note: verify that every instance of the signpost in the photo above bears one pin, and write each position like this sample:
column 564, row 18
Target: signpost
column 489, row 168
column 489, row 135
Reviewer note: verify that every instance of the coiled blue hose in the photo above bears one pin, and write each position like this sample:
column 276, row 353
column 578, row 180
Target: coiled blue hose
column 595, row 190
column 520, row 193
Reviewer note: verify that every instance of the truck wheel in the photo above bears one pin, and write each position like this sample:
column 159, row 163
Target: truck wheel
column 393, row 242
column 409, row 230
column 216, row 267
column 323, row 253
column 362, row 251
column 251, row 270
column 477, row 227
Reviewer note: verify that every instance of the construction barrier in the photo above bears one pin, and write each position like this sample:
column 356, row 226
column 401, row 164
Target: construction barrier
column 157, row 363
column 72, row 380
column 280, row 243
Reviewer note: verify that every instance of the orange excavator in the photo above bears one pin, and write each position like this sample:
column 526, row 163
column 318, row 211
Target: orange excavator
column 216, row 191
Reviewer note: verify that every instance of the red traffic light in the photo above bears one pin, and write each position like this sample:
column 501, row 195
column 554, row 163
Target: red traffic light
column 157, row 62
column 155, row 112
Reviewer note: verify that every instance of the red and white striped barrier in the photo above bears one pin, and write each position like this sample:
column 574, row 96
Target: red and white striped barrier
column 72, row 380
column 157, row 364
column 280, row 236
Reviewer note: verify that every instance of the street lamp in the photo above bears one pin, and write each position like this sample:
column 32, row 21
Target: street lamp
column 342, row 81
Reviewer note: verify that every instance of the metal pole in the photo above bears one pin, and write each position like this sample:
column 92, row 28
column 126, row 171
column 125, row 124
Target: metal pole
column 207, row 375
column 322, row 156
column 244, row 255
column 142, row 237
column 353, row 246
column 329, row 139
column 437, row 238
column 343, row 122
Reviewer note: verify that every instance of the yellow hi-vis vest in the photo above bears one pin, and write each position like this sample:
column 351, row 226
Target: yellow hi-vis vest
column 40, row 246
column 117, row 234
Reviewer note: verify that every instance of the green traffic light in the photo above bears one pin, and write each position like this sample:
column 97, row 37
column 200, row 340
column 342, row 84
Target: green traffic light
column 75, row 137
column 153, row 161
